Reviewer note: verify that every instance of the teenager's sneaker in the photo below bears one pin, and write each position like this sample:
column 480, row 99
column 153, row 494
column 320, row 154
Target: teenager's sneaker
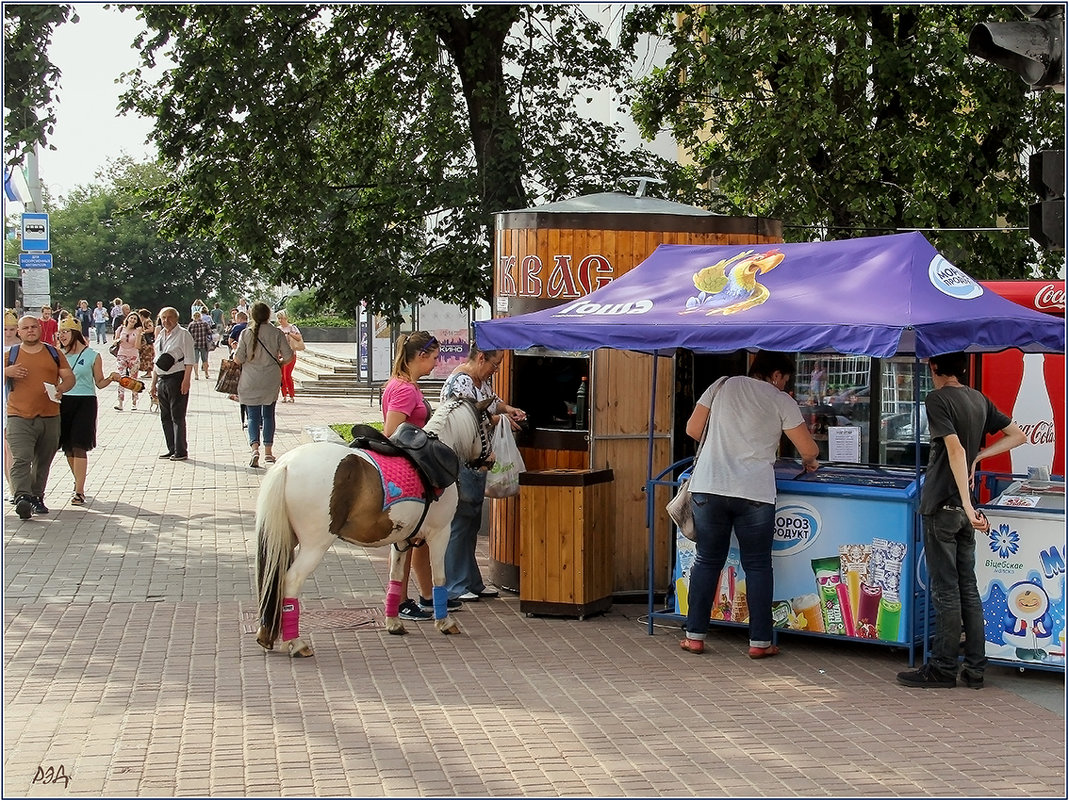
column 925, row 676
column 452, row 605
column 469, row 596
column 24, row 507
column 410, row 610
column 971, row 682
column 488, row 592
column 39, row 507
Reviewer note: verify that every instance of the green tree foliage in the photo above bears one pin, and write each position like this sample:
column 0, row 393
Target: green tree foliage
column 362, row 149
column 856, row 121
column 29, row 77
column 104, row 245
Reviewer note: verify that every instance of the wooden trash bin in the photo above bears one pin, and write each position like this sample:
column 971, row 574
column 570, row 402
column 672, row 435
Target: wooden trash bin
column 566, row 563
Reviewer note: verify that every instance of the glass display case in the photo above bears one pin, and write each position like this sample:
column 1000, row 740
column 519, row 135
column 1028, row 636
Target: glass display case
column 553, row 388
column 835, row 391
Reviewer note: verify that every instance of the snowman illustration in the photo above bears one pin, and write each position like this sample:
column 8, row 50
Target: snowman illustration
column 1027, row 624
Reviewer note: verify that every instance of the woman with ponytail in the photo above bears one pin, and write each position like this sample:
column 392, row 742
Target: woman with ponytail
column 403, row 402
column 262, row 351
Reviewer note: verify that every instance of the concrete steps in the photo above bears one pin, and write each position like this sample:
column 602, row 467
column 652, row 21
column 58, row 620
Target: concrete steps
column 323, row 373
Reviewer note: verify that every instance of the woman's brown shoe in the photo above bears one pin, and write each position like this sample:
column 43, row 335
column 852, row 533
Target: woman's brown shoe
column 761, row 653
column 694, row 646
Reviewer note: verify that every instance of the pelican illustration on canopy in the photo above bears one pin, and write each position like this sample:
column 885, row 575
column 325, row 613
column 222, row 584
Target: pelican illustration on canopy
column 726, row 291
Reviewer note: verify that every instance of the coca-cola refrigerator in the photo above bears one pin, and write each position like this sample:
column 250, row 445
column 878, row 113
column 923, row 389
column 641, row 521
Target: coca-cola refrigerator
column 1030, row 387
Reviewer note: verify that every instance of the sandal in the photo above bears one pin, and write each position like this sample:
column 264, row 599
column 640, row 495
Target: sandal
column 77, row 499
column 118, row 408
column 269, row 459
column 255, row 460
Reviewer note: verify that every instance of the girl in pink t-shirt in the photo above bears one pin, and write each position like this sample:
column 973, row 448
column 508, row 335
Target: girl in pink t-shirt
column 402, row 402
column 128, row 358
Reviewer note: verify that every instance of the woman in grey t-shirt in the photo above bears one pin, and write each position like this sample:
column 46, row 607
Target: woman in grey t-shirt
column 733, row 487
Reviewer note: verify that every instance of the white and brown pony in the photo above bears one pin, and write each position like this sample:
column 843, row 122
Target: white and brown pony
column 372, row 501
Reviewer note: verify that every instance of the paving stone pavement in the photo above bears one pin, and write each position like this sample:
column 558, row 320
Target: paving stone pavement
column 131, row 669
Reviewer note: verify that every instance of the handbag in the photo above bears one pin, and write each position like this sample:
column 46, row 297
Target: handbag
column 165, row 361
column 295, row 340
column 680, row 508
column 114, row 349
column 227, row 377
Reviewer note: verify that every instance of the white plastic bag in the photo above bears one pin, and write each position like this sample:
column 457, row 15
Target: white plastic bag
column 503, row 479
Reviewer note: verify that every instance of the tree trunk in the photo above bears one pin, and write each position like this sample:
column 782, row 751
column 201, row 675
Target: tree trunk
column 476, row 45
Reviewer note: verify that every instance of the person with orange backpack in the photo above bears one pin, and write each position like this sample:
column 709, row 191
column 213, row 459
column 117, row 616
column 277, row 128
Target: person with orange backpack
column 37, row 376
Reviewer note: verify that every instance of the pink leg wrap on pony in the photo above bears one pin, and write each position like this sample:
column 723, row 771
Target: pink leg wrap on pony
column 291, row 619
column 393, row 598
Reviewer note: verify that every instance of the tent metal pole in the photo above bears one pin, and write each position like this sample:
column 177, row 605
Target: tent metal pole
column 651, row 556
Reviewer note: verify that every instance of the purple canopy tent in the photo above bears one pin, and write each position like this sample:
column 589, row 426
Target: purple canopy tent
column 876, row 296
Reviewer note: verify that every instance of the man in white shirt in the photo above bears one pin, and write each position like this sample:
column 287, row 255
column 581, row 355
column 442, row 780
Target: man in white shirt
column 170, row 382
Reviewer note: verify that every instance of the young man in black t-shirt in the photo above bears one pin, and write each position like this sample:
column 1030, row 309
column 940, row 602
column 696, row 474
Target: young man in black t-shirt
column 958, row 419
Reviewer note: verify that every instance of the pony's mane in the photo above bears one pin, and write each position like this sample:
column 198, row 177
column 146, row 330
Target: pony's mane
column 469, row 423
column 441, row 415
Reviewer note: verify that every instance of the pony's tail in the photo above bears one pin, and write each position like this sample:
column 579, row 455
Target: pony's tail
column 275, row 542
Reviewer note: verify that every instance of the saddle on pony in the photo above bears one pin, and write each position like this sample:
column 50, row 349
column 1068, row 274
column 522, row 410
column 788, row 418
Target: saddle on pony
column 434, row 461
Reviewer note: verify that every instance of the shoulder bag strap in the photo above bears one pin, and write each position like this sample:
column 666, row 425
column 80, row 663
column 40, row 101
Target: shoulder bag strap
column 705, row 431
column 274, row 358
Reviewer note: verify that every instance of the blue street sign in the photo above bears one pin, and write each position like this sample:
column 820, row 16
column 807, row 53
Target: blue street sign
column 34, row 231
column 39, row 261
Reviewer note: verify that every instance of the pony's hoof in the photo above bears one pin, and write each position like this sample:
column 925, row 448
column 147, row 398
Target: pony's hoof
column 448, row 626
column 264, row 640
column 300, row 650
column 398, row 629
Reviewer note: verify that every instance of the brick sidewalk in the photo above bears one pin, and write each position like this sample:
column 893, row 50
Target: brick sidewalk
column 129, row 661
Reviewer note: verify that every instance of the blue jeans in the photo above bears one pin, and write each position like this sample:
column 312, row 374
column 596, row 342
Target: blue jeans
column 462, row 572
column 950, row 554
column 261, row 417
column 102, row 332
column 714, row 518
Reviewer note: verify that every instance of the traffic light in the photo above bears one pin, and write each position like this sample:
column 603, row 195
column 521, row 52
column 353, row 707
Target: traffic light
column 1033, row 49
column 1046, row 219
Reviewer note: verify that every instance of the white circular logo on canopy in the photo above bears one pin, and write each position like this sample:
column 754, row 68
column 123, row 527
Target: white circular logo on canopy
column 949, row 280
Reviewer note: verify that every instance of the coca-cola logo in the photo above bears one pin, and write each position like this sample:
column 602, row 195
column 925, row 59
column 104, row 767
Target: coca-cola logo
column 1040, row 433
column 1050, row 298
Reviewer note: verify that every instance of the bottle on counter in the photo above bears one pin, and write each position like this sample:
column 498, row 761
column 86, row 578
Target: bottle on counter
column 132, row 384
column 580, row 405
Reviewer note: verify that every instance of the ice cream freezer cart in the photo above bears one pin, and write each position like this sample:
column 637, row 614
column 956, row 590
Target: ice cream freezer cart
column 1020, row 572
column 844, row 553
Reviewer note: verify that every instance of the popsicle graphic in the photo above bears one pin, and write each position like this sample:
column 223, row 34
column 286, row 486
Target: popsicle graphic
column 844, row 604
column 868, row 611
column 888, row 618
column 681, row 595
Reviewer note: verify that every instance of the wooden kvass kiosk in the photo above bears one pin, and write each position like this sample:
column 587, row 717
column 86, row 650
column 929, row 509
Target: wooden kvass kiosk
column 576, row 535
